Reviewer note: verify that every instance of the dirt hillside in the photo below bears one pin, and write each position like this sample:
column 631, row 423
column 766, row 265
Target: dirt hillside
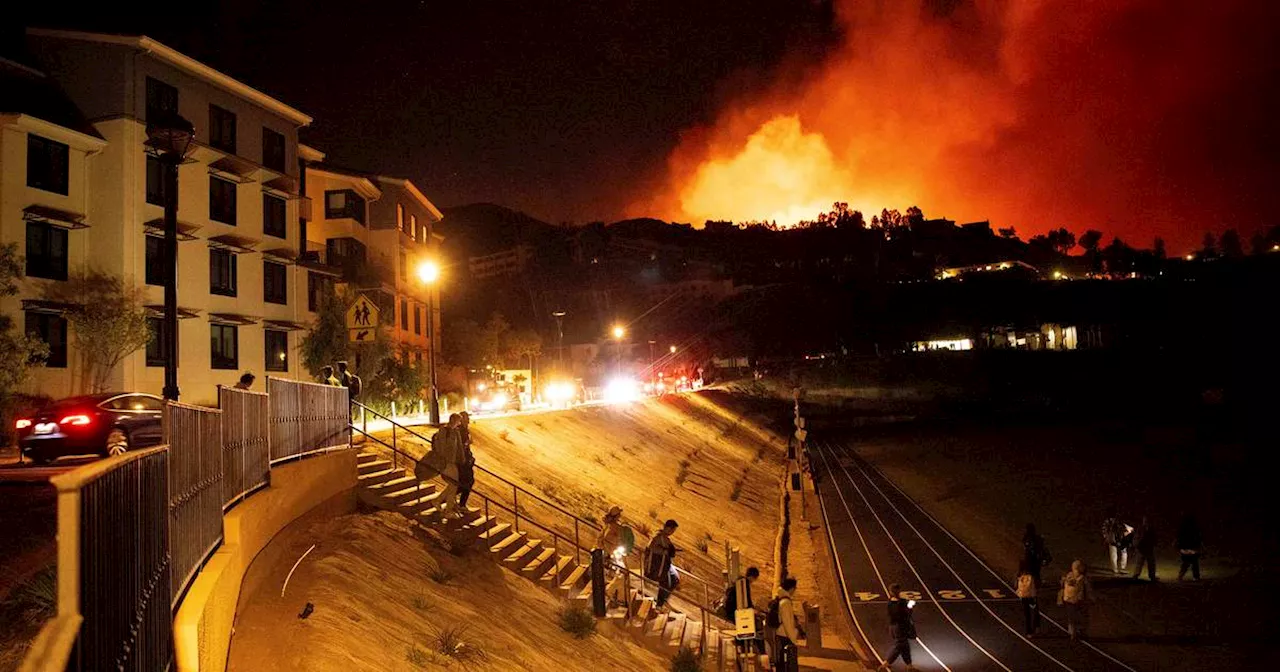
column 382, row 600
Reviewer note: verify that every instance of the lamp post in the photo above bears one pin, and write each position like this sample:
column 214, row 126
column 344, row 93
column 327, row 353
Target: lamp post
column 429, row 274
column 559, row 315
column 170, row 136
column 653, row 371
column 619, row 332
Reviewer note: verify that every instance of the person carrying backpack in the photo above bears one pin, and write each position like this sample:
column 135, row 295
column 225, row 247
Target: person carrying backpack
column 660, row 553
column 1026, row 586
column 1035, row 553
column 442, row 461
column 781, row 619
column 350, row 381
column 902, row 627
column 1076, row 594
column 731, row 606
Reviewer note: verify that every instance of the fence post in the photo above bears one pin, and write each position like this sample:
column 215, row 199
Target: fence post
column 393, row 410
column 597, row 582
column 515, row 506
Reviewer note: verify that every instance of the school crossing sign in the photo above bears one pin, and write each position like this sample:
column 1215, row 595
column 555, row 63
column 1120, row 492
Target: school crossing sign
column 362, row 321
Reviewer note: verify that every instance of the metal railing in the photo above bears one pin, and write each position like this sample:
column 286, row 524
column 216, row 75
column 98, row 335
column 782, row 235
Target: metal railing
column 113, row 518
column 194, row 436
column 246, row 446
column 306, row 418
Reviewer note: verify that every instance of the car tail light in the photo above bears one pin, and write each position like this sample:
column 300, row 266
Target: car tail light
column 75, row 420
column 22, row 424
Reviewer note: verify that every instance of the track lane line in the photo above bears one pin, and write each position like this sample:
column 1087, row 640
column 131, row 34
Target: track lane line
column 932, row 596
column 980, row 561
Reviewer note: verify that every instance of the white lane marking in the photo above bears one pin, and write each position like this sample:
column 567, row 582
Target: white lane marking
column 993, row 572
column 295, row 566
column 956, row 574
column 945, row 615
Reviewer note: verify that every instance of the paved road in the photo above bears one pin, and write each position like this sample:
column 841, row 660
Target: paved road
column 12, row 471
column 966, row 615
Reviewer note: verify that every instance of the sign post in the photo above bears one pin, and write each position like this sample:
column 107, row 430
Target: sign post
column 362, row 321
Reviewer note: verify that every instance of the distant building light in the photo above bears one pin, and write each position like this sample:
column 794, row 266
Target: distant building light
column 943, row 344
column 1190, row 257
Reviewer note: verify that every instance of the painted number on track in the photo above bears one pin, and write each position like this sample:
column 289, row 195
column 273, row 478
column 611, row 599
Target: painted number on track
column 866, row 597
column 994, row 593
column 951, row 594
column 909, row 595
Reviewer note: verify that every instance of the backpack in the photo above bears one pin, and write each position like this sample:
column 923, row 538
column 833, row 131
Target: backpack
column 353, row 386
column 729, row 603
column 1072, row 589
column 1026, row 586
column 772, row 618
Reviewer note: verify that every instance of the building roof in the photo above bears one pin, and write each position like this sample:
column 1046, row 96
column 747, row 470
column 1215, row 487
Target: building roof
column 29, row 92
column 184, row 63
column 413, row 190
column 364, row 186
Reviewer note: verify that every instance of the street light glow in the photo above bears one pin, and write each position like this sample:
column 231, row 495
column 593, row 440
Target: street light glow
column 619, row 331
column 429, row 272
column 673, row 349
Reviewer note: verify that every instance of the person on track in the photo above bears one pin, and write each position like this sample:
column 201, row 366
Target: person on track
column 1075, row 594
column 1144, row 545
column 1188, row 544
column 1114, row 533
column 1026, row 585
column 902, row 626
column 1035, row 553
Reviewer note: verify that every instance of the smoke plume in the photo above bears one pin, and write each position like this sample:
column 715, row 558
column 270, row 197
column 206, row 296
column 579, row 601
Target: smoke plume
column 1140, row 118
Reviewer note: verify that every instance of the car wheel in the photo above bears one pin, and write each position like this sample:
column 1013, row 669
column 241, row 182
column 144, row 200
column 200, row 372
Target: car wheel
column 117, row 443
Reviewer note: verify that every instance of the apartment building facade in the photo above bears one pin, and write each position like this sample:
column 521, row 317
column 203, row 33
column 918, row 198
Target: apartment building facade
column 242, row 294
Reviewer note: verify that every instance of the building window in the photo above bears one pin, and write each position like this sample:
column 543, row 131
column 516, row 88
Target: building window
column 345, row 252
column 224, row 346
column 222, row 272
column 273, row 150
column 404, row 266
column 222, row 200
column 275, row 283
column 343, row 203
column 155, row 260
column 417, row 320
column 318, row 287
column 413, row 227
column 46, row 251
column 155, row 181
column 162, row 99
column 404, row 315
column 52, row 329
column 400, row 216
column 222, row 129
column 47, row 164
column 276, row 350
column 155, row 343
column 273, row 216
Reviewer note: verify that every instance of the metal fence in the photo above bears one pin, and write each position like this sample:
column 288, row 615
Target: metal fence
column 246, row 457
column 194, row 435
column 121, row 582
column 307, row 417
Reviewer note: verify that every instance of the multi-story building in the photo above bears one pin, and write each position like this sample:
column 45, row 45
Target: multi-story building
column 509, row 262
column 374, row 231
column 240, row 291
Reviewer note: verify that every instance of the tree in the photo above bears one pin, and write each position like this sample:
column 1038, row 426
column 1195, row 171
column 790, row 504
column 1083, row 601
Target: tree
column 1207, row 247
column 523, row 343
column 107, row 319
column 1119, row 256
column 1157, row 248
column 1062, row 240
column 19, row 353
column 1090, row 241
column 914, row 216
column 1008, row 233
column 1230, row 244
column 327, row 341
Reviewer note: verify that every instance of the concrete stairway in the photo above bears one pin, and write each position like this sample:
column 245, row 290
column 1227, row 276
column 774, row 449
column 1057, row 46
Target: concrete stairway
column 395, row 489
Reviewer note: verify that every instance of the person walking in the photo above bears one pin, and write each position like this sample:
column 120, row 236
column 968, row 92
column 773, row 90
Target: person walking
column 466, row 462
column 442, row 461
column 1144, row 544
column 786, row 627
column 1026, row 587
column 1188, row 544
column 902, row 627
column 1075, row 594
column 1035, row 553
column 349, row 380
column 246, row 381
column 660, row 553
column 1114, row 533
column 327, row 377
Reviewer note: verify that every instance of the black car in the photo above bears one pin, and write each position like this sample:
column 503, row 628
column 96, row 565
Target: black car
column 98, row 424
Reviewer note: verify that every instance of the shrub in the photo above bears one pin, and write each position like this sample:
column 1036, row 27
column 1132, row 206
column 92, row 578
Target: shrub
column 420, row 603
column 737, row 491
column 577, row 621
column 452, row 643
column 686, row 660
column 440, row 575
column 702, row 545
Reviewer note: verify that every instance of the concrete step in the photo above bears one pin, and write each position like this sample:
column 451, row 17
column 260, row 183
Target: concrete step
column 540, row 564
column 692, row 635
column 366, row 456
column 377, row 478
column 373, row 465
column 674, row 632
column 643, row 610
column 493, row 534
column 555, row 574
column 524, row 554
column 430, row 516
column 398, row 481
column 656, row 626
column 577, row 576
column 469, row 515
column 407, row 491
column 711, row 649
column 412, row 507
column 508, row 545
column 582, row 596
column 475, row 528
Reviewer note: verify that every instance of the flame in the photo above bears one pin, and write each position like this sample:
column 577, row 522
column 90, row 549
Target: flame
column 1034, row 113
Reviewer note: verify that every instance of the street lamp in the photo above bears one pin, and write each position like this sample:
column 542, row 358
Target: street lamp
column 169, row 135
column 619, row 332
column 429, row 274
column 653, row 371
column 559, row 315
column 673, row 349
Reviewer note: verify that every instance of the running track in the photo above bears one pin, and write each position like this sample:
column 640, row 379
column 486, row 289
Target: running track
column 966, row 615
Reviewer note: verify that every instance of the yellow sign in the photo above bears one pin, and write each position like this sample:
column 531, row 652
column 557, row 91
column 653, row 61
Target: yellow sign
column 362, row 320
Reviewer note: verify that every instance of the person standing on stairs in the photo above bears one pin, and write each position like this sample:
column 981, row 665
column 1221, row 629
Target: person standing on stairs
column 466, row 462
column 442, row 460
column 660, row 553
column 609, row 542
column 786, row 658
